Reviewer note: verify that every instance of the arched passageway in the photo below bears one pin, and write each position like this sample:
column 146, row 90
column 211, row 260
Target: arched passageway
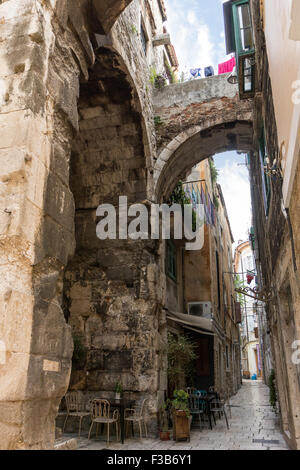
column 108, row 11
column 196, row 120
column 110, row 299
column 169, row 169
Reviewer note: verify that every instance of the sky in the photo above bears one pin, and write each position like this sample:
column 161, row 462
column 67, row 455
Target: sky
column 197, row 32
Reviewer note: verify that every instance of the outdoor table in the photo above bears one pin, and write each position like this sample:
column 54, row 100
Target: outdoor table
column 121, row 404
column 208, row 398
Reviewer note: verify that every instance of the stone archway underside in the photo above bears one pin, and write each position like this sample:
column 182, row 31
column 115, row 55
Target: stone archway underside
column 108, row 299
column 195, row 120
column 108, row 11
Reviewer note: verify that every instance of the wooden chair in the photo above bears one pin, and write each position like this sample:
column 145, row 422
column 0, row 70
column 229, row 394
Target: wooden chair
column 136, row 415
column 100, row 414
column 75, row 408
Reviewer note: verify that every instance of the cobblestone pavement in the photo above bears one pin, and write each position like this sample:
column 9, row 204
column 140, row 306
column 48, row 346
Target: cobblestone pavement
column 253, row 426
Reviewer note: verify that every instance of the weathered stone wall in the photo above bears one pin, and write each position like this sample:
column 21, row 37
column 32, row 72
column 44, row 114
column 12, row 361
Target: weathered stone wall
column 35, row 239
column 77, row 130
column 110, row 296
column 275, row 241
column 47, row 49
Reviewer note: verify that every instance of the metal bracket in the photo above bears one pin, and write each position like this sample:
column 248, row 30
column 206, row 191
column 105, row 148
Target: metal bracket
column 264, row 295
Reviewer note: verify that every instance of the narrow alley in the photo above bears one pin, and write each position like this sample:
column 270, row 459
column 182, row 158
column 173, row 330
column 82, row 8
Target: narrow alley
column 149, row 225
column 252, row 426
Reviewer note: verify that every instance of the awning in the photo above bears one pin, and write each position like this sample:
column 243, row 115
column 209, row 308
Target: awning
column 199, row 324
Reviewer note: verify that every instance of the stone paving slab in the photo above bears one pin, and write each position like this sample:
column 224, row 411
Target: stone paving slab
column 253, row 418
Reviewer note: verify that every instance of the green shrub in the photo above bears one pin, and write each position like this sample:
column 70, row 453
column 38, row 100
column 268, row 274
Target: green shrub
column 272, row 390
column 181, row 354
column 181, row 401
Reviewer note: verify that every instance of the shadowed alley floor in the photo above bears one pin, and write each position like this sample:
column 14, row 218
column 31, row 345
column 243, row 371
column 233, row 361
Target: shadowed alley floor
column 253, row 426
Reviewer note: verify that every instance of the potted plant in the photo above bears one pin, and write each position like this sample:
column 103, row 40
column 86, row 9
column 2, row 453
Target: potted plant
column 181, row 415
column 118, row 390
column 164, row 433
column 181, row 356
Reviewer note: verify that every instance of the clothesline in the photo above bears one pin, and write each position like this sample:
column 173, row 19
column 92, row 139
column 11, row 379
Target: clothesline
column 223, row 67
column 202, row 197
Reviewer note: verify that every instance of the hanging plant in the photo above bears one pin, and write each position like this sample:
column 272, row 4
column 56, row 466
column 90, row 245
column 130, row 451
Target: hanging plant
column 214, row 173
column 179, row 196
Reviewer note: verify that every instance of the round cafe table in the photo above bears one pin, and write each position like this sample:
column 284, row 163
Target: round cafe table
column 122, row 404
column 207, row 399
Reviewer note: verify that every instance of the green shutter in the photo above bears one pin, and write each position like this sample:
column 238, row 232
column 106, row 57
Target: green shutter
column 171, row 260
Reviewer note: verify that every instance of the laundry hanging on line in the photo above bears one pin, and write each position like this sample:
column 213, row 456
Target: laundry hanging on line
column 195, row 72
column 226, row 67
column 209, row 71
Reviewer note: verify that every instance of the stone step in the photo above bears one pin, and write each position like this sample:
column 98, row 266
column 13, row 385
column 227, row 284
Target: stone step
column 66, row 444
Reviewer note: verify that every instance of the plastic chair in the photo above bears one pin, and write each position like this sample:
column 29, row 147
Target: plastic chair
column 100, row 414
column 75, row 408
column 136, row 415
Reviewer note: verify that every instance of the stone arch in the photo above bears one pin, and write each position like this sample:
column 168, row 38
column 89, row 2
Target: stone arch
column 108, row 300
column 195, row 120
column 39, row 118
column 108, row 12
column 194, row 145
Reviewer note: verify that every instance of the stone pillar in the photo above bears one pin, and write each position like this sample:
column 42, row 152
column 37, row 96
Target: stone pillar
column 36, row 233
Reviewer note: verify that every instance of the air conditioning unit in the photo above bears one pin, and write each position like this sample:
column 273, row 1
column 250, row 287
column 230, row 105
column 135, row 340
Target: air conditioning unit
column 200, row 309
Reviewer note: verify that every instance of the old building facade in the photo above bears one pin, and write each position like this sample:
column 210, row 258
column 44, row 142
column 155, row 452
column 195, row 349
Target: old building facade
column 264, row 35
column 200, row 300
column 69, row 94
column 79, row 127
column 276, row 195
column 244, row 267
column 84, row 119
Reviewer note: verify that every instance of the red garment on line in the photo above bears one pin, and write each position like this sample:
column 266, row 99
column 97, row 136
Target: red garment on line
column 227, row 66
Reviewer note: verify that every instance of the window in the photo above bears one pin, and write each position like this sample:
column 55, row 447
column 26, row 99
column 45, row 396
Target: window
column 249, row 263
column 218, row 279
column 225, row 297
column 266, row 183
column 229, row 258
column 227, row 357
column 248, row 75
column 244, row 46
column 171, row 260
column 245, row 28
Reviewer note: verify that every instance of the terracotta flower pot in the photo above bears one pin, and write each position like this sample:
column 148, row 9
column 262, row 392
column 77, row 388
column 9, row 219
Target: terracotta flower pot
column 164, row 435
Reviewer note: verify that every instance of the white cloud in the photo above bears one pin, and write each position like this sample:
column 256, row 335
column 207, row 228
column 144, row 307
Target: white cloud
column 234, row 181
column 195, row 41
